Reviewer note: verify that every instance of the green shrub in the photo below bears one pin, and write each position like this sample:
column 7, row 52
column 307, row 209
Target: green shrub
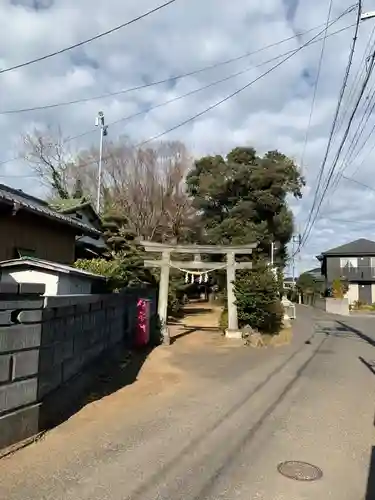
column 258, row 302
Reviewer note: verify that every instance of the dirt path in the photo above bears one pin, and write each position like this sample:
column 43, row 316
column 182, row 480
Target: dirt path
column 233, row 413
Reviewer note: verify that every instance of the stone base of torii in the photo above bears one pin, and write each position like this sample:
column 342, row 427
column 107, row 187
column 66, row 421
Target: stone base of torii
column 230, row 265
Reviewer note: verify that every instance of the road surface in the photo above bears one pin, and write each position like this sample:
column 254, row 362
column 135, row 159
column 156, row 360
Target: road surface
column 223, row 435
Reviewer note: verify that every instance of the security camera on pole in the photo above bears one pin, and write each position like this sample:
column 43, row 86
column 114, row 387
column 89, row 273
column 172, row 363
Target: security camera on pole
column 99, row 122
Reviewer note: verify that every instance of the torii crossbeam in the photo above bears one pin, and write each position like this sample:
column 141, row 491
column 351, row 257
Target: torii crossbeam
column 165, row 263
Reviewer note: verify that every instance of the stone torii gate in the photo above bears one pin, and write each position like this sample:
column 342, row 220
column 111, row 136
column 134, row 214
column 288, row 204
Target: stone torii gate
column 165, row 263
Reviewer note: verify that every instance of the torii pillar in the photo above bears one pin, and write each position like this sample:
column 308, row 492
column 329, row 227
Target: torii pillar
column 197, row 264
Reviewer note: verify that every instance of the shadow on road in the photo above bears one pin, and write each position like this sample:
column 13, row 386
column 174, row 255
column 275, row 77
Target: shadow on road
column 369, row 364
column 358, row 333
column 102, row 378
column 370, row 491
column 189, row 329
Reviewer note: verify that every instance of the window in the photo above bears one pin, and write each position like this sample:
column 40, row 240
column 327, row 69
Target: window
column 23, row 252
column 349, row 262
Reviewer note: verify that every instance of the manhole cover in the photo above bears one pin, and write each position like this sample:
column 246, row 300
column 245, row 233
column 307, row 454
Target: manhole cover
column 300, row 471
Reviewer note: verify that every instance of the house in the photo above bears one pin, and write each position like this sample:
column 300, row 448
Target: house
column 59, row 279
column 316, row 273
column 354, row 263
column 289, row 283
column 30, row 227
column 82, row 210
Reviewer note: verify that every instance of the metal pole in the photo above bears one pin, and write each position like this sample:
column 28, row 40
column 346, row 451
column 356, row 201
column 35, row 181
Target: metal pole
column 272, row 250
column 100, row 169
column 99, row 122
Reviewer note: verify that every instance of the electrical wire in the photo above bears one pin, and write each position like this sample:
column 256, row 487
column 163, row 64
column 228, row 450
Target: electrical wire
column 88, row 40
column 316, row 86
column 357, row 80
column 233, row 94
column 332, row 170
column 366, row 155
column 165, row 80
column 362, row 184
column 347, row 160
column 369, row 108
column 308, row 226
column 346, row 221
column 288, row 53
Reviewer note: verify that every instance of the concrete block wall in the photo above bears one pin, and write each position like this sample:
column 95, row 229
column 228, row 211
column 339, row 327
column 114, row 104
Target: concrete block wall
column 333, row 306
column 46, row 344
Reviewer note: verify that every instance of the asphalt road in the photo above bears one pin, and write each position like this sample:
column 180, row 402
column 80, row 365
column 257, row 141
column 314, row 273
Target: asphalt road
column 309, row 402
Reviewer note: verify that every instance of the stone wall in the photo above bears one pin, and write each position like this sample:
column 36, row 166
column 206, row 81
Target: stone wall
column 46, row 347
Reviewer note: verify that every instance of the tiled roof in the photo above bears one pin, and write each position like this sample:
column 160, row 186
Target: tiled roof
column 354, row 248
column 69, row 205
column 40, row 207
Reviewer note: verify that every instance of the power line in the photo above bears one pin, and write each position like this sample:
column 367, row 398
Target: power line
column 346, row 221
column 356, row 139
column 233, row 94
column 165, row 80
column 316, row 85
column 366, row 155
column 320, row 62
column 356, row 83
column 333, row 167
column 199, row 89
column 308, row 227
column 289, row 53
column 369, row 108
column 88, row 40
column 362, row 184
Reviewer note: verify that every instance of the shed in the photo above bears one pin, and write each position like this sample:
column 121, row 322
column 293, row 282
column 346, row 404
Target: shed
column 59, row 279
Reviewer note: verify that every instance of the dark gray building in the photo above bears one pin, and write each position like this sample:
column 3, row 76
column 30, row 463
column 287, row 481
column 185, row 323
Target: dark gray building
column 355, row 263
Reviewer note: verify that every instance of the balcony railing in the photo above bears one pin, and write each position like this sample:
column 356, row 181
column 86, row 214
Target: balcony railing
column 358, row 273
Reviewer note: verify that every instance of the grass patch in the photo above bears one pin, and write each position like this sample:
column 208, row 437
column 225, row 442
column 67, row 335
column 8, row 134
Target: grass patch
column 282, row 338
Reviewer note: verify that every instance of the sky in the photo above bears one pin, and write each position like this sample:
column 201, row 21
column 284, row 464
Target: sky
column 273, row 113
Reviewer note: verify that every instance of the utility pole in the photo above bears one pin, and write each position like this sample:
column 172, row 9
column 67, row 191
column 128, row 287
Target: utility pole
column 295, row 239
column 99, row 122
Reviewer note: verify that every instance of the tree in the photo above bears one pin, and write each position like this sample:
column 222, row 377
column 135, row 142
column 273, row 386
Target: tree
column 47, row 153
column 243, row 198
column 258, row 303
column 148, row 187
column 123, row 264
column 339, row 288
column 307, row 284
column 145, row 185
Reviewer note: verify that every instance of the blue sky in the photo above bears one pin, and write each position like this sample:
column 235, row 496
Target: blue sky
column 186, row 36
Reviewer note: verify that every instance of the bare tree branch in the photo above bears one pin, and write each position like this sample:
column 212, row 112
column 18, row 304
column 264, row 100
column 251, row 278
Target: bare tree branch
column 147, row 185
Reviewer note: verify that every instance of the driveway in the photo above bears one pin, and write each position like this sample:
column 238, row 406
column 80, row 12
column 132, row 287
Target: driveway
column 215, row 421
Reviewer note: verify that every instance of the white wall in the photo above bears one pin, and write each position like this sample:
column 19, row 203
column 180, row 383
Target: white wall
column 56, row 283
column 73, row 285
column 32, row 276
column 352, row 294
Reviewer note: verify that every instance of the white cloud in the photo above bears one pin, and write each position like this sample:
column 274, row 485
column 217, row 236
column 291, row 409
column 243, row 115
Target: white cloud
column 273, row 113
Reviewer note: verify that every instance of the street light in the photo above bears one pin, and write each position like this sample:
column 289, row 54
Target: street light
column 368, row 15
column 99, row 122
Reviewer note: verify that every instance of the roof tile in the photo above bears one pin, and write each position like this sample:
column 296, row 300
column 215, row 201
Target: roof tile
column 40, row 207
